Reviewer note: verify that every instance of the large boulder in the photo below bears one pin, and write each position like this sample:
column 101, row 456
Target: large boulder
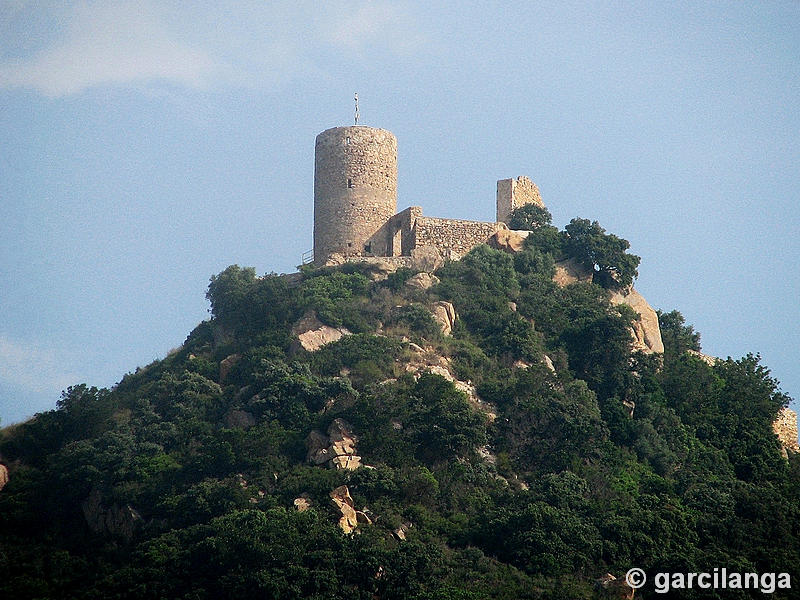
column 317, row 448
column 115, row 520
column 226, row 365
column 312, row 334
column 381, row 269
column 335, row 259
column 508, row 240
column 422, row 281
column 338, row 448
column 614, row 587
column 646, row 332
column 426, row 258
column 571, row 271
column 3, row 476
column 239, row 419
column 444, row 313
column 344, row 503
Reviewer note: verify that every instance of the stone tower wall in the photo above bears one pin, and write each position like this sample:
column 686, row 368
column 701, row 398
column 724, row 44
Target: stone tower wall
column 513, row 193
column 355, row 191
column 785, row 427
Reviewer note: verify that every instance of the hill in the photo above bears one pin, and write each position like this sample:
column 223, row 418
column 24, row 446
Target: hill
column 367, row 431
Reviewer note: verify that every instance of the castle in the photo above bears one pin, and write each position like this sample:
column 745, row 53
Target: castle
column 355, row 204
column 356, row 219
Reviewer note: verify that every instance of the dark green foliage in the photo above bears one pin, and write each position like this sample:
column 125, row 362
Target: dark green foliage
column 417, row 319
column 557, row 486
column 331, row 297
column 589, row 244
column 368, row 357
column 676, row 335
column 442, row 424
column 243, row 304
column 529, row 217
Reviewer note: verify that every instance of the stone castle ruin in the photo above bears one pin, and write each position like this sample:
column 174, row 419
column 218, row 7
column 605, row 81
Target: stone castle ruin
column 356, row 220
column 355, row 204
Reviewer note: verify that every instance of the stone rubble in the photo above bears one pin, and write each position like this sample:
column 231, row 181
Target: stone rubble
column 338, row 448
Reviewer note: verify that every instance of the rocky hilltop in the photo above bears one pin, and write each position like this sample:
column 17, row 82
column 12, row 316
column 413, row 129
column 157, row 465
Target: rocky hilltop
column 520, row 423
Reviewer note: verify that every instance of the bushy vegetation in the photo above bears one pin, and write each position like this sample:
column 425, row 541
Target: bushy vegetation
column 557, row 486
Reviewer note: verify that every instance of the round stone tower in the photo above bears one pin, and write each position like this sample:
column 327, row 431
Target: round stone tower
column 355, row 191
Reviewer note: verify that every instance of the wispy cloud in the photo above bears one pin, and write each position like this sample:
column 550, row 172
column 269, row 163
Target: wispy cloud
column 33, row 368
column 253, row 45
column 388, row 25
column 109, row 43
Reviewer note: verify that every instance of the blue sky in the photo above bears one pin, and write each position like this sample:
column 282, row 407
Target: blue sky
column 148, row 145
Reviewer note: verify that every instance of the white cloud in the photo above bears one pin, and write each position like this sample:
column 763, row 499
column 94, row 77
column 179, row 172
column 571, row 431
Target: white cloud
column 35, row 369
column 98, row 43
column 110, row 43
column 383, row 23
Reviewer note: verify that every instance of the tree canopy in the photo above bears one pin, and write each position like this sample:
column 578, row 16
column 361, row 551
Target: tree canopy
column 523, row 456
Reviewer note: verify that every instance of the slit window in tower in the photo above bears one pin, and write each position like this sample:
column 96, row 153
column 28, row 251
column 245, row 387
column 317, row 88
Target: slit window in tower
column 349, row 182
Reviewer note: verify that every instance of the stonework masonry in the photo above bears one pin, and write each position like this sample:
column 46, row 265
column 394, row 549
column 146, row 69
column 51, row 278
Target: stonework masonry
column 513, row 193
column 355, row 203
column 356, row 219
column 452, row 237
column 785, row 427
column 355, row 190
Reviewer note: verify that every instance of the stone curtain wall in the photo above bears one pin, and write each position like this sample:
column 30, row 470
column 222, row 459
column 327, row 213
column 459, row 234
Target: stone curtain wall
column 355, row 190
column 513, row 193
column 453, row 237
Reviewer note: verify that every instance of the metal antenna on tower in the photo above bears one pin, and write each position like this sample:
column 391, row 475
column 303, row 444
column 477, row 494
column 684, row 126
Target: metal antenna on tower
column 356, row 99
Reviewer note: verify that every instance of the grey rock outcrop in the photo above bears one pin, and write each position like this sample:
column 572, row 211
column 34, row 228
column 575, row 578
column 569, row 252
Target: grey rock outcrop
column 426, row 258
column 350, row 517
column 571, row 271
column 116, row 520
column 226, row 364
column 646, row 332
column 422, row 281
column 381, row 269
column 613, row 587
column 239, row 419
column 312, row 334
column 508, row 240
column 445, row 315
column 338, row 448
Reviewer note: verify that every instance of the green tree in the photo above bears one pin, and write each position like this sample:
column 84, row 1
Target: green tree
column 529, row 217
column 678, row 337
column 589, row 244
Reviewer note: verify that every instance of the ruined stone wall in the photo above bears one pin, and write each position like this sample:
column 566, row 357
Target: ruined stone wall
column 453, row 237
column 355, row 190
column 513, row 193
column 785, row 427
column 399, row 231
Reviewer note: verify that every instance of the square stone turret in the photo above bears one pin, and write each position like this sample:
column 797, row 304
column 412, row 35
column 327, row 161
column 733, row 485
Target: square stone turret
column 513, row 193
